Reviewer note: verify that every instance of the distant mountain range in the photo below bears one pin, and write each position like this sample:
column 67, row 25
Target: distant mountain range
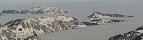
column 35, row 10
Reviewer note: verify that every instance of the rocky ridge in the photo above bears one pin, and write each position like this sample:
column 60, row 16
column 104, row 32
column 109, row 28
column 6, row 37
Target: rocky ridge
column 98, row 17
column 131, row 35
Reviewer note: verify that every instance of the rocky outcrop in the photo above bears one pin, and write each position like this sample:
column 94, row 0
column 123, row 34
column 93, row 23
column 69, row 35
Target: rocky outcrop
column 0, row 25
column 112, row 15
column 115, row 20
column 29, row 28
column 100, row 21
column 97, row 15
column 132, row 35
column 43, row 10
column 99, row 18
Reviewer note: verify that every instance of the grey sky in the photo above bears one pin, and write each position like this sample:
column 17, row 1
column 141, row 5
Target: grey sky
column 19, row 1
column 33, row 1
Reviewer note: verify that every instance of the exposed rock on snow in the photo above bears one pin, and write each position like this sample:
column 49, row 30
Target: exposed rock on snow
column 99, row 18
column 112, row 15
column 0, row 25
column 115, row 20
column 29, row 28
column 96, row 15
column 89, row 23
column 43, row 10
column 132, row 35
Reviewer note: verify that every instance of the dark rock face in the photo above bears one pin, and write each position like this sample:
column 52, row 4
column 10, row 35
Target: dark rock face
column 115, row 20
column 93, row 15
column 13, row 22
column 24, row 12
column 9, row 11
column 114, row 15
column 89, row 24
column 0, row 25
column 132, row 35
column 140, row 28
column 130, row 16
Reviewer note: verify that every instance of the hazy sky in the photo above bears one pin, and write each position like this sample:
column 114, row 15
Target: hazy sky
column 33, row 1
column 20, row 1
column 12, row 4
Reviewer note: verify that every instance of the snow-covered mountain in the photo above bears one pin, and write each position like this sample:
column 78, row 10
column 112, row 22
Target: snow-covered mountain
column 131, row 35
column 43, row 10
column 29, row 28
column 35, row 10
